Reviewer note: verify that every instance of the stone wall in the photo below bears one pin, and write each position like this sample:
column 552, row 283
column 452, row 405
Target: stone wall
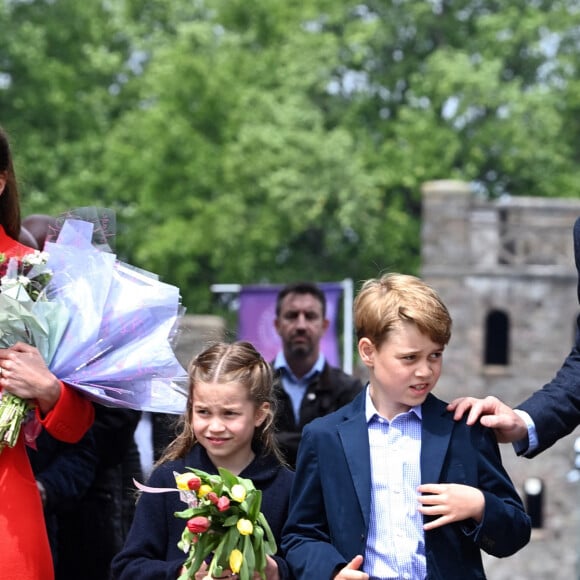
column 195, row 333
column 515, row 256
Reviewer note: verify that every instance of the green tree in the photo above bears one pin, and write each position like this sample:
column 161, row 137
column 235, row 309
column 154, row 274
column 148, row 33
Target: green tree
column 245, row 179
column 268, row 140
column 61, row 67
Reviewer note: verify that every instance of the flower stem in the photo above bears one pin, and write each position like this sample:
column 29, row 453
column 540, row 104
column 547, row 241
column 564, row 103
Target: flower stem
column 13, row 410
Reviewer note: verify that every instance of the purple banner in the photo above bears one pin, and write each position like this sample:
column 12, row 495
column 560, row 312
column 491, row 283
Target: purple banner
column 257, row 313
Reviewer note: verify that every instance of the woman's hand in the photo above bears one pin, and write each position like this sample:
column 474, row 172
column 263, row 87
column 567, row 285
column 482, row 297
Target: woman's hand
column 25, row 374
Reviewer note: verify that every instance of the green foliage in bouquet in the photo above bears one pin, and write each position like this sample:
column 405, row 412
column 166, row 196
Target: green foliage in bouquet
column 24, row 313
column 224, row 523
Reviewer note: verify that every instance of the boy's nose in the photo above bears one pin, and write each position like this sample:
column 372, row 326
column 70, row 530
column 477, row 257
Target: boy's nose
column 424, row 369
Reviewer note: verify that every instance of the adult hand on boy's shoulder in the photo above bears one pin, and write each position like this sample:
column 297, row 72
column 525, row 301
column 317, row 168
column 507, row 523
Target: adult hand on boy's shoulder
column 453, row 502
column 351, row 570
column 491, row 412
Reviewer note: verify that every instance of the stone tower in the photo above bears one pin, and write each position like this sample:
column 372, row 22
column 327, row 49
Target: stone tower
column 505, row 269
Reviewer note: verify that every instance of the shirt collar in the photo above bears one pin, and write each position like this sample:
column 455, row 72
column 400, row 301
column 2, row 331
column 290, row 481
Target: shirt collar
column 281, row 364
column 371, row 411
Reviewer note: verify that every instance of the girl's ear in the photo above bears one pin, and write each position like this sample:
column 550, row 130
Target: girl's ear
column 2, row 181
column 366, row 351
column 261, row 415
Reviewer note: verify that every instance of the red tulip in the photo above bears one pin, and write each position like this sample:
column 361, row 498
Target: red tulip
column 198, row 525
column 223, row 503
column 194, row 483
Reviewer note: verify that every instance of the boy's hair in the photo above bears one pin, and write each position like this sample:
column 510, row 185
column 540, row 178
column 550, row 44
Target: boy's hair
column 382, row 303
column 301, row 288
column 224, row 363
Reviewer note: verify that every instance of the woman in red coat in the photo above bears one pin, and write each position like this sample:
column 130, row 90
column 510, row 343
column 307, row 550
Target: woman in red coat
column 64, row 413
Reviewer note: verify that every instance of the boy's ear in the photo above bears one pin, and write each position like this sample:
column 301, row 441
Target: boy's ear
column 366, row 351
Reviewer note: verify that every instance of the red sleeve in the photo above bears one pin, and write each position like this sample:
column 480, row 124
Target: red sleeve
column 70, row 418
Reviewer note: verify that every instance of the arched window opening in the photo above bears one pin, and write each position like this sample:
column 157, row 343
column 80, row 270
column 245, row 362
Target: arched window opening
column 497, row 342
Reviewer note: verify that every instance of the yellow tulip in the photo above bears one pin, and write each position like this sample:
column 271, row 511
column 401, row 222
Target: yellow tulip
column 238, row 492
column 236, row 559
column 204, row 490
column 181, row 480
column 245, row 527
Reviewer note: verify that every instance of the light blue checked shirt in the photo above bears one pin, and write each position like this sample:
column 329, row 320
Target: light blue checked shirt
column 396, row 542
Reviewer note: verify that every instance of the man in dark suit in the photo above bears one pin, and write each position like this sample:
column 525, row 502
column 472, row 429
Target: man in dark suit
column 307, row 386
column 547, row 415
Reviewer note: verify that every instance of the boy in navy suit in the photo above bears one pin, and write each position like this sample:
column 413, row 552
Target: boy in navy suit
column 390, row 486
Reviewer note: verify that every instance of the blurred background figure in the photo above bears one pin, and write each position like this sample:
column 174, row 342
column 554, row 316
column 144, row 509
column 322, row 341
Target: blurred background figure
column 307, row 386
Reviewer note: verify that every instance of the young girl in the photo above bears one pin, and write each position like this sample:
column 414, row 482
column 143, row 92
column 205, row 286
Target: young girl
column 228, row 423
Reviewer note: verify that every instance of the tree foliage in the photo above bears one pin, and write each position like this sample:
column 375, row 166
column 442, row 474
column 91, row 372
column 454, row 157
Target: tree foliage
column 267, row 141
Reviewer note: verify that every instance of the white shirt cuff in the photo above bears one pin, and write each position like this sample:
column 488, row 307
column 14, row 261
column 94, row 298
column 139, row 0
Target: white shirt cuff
column 529, row 443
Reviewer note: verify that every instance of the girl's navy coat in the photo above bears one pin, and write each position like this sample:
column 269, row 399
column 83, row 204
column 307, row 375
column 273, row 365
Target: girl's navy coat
column 151, row 550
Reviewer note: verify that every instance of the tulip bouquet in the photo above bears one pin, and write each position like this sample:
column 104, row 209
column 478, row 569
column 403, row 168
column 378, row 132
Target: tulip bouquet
column 225, row 526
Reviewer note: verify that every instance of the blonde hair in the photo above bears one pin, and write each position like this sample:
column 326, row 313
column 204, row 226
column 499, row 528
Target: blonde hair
column 382, row 303
column 225, row 363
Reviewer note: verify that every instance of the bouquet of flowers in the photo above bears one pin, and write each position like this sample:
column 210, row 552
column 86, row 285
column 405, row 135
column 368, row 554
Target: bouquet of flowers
column 224, row 524
column 102, row 326
column 117, row 345
column 24, row 316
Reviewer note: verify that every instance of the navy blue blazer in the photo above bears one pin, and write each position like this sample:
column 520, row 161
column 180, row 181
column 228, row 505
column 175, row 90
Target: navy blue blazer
column 555, row 408
column 330, row 501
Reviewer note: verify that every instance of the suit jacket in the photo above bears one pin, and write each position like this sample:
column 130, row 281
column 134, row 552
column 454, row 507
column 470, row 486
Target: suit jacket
column 330, row 502
column 555, row 408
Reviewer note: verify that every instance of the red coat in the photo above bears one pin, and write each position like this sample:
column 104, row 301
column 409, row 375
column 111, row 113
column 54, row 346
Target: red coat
column 24, row 548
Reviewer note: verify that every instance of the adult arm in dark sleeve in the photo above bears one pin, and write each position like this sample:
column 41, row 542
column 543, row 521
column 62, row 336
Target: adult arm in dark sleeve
column 65, row 470
column 555, row 408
